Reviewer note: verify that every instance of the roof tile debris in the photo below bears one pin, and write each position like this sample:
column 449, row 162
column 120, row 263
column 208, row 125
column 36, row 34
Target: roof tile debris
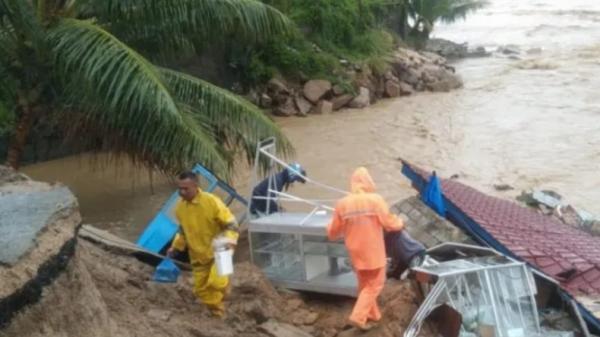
column 565, row 253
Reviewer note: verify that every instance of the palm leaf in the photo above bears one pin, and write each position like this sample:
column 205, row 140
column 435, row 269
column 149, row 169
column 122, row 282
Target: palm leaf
column 238, row 123
column 459, row 9
column 183, row 25
column 126, row 100
column 20, row 16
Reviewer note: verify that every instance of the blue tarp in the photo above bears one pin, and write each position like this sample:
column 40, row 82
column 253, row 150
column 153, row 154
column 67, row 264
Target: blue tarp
column 463, row 221
column 432, row 196
column 163, row 228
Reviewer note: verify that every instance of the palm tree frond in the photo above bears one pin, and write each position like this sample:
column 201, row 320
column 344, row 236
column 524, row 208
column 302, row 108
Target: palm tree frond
column 237, row 122
column 125, row 98
column 175, row 25
column 459, row 9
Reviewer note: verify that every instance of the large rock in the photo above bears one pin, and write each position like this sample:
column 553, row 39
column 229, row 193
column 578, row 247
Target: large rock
column 362, row 100
column 278, row 91
column 341, row 101
column 389, row 76
column 447, row 48
column 314, row 90
column 288, row 108
column 337, row 90
column 276, row 85
column 323, row 108
column 440, row 79
column 266, row 101
column 447, row 83
column 409, row 75
column 303, row 106
column 406, row 89
column 392, row 88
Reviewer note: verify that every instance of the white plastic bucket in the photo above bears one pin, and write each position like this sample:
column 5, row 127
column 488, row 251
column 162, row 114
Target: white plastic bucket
column 224, row 262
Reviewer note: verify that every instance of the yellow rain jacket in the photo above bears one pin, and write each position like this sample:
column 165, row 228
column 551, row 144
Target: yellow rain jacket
column 200, row 221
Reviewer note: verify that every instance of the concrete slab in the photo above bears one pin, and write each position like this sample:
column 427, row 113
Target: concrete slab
column 23, row 214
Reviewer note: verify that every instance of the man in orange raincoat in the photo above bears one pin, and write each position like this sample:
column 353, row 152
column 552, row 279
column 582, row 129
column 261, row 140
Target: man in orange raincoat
column 361, row 218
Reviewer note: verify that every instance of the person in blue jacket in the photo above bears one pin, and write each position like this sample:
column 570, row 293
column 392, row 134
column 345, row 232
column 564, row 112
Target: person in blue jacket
column 279, row 182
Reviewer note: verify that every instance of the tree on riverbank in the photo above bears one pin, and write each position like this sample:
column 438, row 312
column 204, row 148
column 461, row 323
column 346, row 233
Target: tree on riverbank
column 93, row 66
column 424, row 14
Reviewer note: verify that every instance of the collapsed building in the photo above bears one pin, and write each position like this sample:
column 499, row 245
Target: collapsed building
column 564, row 260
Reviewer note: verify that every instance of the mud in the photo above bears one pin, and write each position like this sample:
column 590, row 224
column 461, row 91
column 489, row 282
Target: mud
column 106, row 294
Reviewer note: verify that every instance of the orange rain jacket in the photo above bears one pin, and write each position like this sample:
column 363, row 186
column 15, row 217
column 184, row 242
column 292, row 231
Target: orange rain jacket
column 360, row 219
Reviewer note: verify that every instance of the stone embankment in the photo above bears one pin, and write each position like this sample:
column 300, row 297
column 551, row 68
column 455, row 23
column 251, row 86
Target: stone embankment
column 408, row 72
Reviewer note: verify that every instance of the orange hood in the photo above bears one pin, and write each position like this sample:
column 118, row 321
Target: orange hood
column 361, row 181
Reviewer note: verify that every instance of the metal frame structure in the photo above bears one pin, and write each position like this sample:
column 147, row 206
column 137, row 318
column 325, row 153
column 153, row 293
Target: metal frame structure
column 495, row 285
column 302, row 226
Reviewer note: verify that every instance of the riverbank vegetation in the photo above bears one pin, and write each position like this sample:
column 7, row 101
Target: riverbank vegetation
column 107, row 75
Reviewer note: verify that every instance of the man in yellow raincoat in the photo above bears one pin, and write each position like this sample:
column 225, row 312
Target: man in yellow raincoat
column 203, row 217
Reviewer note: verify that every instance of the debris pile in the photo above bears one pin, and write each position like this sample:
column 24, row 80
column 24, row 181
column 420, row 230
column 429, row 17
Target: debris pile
column 551, row 203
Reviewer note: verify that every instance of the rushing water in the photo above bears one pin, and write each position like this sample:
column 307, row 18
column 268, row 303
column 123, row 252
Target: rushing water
column 530, row 121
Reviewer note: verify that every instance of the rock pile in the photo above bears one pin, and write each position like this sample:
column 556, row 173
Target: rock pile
column 408, row 72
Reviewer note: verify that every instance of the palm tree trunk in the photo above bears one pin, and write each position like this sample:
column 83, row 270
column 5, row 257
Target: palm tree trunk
column 403, row 25
column 17, row 144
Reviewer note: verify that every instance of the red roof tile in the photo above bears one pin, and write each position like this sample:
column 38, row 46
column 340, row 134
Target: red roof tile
column 555, row 248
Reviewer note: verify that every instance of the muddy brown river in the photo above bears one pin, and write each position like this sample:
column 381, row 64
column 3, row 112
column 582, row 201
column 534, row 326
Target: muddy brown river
column 529, row 120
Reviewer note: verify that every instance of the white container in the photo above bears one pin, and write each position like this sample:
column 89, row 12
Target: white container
column 224, row 262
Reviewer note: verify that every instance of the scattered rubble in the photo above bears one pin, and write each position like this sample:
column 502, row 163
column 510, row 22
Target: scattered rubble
column 426, row 226
column 550, row 203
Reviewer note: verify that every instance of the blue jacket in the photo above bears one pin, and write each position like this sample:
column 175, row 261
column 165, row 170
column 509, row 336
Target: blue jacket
column 280, row 180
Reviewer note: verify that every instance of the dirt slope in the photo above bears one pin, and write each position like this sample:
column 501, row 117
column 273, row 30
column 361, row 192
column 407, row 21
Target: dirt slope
column 103, row 294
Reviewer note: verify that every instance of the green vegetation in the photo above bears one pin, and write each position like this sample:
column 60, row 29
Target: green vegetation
column 94, row 66
column 359, row 31
column 424, row 14
column 328, row 31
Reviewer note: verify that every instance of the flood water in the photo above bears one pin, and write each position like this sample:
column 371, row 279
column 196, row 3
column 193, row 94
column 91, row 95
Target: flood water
column 530, row 121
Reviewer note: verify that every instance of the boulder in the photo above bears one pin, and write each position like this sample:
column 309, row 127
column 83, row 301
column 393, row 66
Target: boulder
column 447, row 48
column 266, row 101
column 337, row 90
column 276, row 85
column 389, row 76
column 314, row 90
column 323, row 108
column 279, row 91
column 302, row 105
column 341, row 101
column 406, row 89
column 440, row 79
column 411, row 76
column 392, row 88
column 286, row 109
column 362, row 100
column 446, row 84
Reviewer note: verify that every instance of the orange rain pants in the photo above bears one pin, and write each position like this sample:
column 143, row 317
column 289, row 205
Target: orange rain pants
column 360, row 218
